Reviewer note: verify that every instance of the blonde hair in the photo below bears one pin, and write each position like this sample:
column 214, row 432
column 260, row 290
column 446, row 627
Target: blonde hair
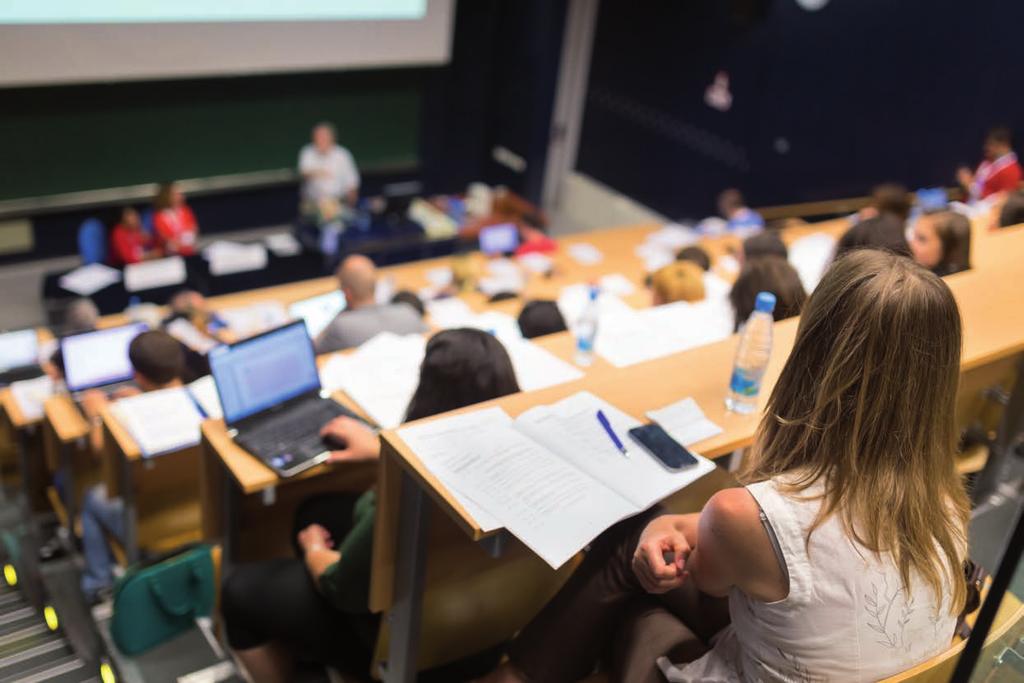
column 679, row 281
column 865, row 405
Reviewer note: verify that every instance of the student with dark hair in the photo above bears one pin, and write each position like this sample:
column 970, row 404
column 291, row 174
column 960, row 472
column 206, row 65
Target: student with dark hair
column 890, row 199
column 767, row 274
column 696, row 255
column 410, row 299
column 541, row 317
column 767, row 243
column 998, row 172
column 159, row 361
column 315, row 609
column 1012, row 212
column 941, row 242
column 882, row 232
column 739, row 217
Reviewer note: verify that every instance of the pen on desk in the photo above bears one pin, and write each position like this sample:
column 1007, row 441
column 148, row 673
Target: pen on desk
column 611, row 432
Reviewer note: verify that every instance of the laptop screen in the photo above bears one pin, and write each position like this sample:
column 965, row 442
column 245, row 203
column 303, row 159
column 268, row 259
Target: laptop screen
column 263, row 371
column 499, row 239
column 318, row 311
column 18, row 349
column 95, row 359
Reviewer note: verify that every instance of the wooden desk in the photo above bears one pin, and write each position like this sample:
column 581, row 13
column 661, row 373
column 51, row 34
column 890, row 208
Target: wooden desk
column 66, row 449
column 24, row 434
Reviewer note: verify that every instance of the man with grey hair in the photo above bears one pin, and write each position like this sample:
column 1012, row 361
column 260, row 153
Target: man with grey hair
column 329, row 174
column 81, row 315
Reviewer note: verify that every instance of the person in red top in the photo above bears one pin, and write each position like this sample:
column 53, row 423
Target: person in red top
column 174, row 223
column 129, row 243
column 999, row 172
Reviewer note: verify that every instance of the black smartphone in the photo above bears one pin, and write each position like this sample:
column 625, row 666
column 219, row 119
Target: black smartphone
column 658, row 443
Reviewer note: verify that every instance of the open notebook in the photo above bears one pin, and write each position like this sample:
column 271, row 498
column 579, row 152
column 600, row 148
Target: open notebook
column 552, row 476
column 160, row 421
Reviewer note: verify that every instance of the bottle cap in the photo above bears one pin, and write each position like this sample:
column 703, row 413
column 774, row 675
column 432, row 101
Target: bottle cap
column 765, row 302
column 595, row 291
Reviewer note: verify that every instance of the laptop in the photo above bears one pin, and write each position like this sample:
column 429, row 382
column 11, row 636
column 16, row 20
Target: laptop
column 499, row 239
column 318, row 311
column 99, row 359
column 19, row 356
column 270, row 394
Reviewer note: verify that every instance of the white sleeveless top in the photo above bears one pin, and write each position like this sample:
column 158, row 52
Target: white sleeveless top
column 846, row 618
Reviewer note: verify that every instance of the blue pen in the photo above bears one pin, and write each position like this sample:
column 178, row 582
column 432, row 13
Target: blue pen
column 611, row 432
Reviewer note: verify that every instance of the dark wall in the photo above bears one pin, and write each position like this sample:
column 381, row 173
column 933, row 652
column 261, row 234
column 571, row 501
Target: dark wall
column 825, row 104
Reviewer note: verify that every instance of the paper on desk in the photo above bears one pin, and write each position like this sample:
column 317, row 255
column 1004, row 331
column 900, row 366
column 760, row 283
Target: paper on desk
column 654, row 257
column 385, row 289
column 187, row 333
column 380, row 376
column 439, row 277
column 449, row 312
column 204, row 392
column 626, row 338
column 715, row 288
column 617, row 284
column 160, row 421
column 574, row 298
column 245, row 321
column 236, row 258
column 811, row 256
column 585, row 253
column 538, row 368
column 164, row 272
column 685, row 422
column 87, row 280
column 501, row 325
column 536, row 262
column 498, row 284
column 30, row 394
column 47, row 349
column 672, row 237
column 283, row 244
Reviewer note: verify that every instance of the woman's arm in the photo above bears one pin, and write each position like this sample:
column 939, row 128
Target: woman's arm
column 318, row 551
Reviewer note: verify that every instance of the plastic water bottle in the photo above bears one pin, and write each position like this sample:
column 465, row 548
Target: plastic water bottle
column 752, row 356
column 586, row 330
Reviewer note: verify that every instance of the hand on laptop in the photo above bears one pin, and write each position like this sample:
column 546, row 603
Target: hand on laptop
column 352, row 440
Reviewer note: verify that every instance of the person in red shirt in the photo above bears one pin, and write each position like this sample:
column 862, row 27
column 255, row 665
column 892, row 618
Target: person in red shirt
column 999, row 172
column 129, row 243
column 174, row 223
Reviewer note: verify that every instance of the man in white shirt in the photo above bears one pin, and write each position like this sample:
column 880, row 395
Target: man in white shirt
column 329, row 174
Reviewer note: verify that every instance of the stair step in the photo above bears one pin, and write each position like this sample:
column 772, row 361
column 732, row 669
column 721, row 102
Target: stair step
column 26, row 638
column 69, row 669
column 36, row 658
column 18, row 619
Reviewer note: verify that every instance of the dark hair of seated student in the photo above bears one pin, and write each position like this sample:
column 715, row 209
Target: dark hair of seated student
column 881, row 232
column 541, row 317
column 892, row 199
column 1012, row 212
column 767, row 274
column 941, row 242
column 767, row 243
column 406, row 297
column 502, row 296
column 695, row 255
column 157, row 357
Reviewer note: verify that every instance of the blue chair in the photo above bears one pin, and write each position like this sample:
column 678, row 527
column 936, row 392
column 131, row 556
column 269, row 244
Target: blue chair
column 146, row 216
column 92, row 241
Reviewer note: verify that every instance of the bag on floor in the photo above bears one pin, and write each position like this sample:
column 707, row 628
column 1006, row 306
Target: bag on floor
column 156, row 601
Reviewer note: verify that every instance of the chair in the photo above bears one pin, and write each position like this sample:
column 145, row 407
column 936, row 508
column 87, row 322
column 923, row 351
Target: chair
column 92, row 241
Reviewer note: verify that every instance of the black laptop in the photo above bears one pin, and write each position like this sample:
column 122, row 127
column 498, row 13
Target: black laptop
column 19, row 356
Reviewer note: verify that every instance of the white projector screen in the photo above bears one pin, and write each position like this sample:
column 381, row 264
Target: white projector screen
column 79, row 41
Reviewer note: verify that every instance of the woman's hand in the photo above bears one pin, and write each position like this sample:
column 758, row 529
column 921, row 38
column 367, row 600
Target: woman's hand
column 315, row 537
column 356, row 442
column 661, row 536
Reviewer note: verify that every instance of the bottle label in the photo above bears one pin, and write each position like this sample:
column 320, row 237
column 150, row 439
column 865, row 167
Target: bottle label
column 746, row 382
column 584, row 344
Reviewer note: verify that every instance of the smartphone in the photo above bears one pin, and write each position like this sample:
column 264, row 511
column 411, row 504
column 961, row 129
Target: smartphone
column 667, row 450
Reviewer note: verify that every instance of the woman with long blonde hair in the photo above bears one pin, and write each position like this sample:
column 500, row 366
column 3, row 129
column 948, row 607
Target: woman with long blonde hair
column 841, row 557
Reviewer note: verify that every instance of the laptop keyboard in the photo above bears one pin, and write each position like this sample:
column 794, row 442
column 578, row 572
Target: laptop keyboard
column 296, row 429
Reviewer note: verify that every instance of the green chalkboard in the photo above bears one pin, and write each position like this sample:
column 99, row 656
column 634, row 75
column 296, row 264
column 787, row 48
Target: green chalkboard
column 65, row 139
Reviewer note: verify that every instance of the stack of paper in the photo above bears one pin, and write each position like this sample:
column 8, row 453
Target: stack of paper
column 572, row 300
column 439, row 277
column 189, row 335
column 685, row 422
column 160, row 421
column 504, row 275
column 616, row 284
column 87, row 280
column 283, row 244
column 811, row 256
column 31, row 394
column 164, row 272
column 245, row 321
column 585, row 253
column 552, row 477
column 227, row 258
column 204, row 393
column 625, row 338
column 536, row 367
column 660, row 247
column 449, row 312
column 536, row 262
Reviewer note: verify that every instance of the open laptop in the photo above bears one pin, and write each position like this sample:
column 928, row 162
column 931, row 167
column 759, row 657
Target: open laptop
column 499, row 239
column 270, row 394
column 99, row 359
column 318, row 311
column 19, row 356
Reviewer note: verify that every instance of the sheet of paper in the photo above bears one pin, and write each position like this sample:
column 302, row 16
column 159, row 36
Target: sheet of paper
column 535, row 262
column 245, row 321
column 574, row 298
column 585, row 253
column 439, row 277
column 238, row 258
column 47, row 349
column 87, row 280
column 449, row 312
column 504, row 478
column 811, row 256
column 385, row 290
column 380, row 376
column 160, row 421
column 617, row 284
column 164, row 272
column 187, row 333
column 30, row 394
column 715, row 288
column 204, row 392
column 672, row 237
column 538, row 368
column 501, row 325
column 283, row 244
column 499, row 284
column 571, row 429
column 685, row 422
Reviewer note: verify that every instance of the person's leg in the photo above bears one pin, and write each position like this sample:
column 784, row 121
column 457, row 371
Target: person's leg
column 333, row 511
column 647, row 631
column 100, row 516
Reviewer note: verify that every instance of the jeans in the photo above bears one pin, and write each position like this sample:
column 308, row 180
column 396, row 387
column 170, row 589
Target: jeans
column 100, row 516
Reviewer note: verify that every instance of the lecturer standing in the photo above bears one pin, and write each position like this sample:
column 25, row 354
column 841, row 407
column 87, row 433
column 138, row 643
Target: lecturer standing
column 329, row 175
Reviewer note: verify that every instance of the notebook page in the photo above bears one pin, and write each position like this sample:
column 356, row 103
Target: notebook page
column 381, row 376
column 204, row 392
column 538, row 368
column 31, row 394
column 160, row 421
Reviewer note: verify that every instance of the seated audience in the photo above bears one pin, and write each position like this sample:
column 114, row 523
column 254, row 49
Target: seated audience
column 363, row 318
column 159, row 362
column 882, row 232
column 766, row 243
column 696, row 255
column 315, row 609
column 129, row 241
column 739, row 217
column 998, row 172
column 888, row 199
column 767, row 274
column 81, row 315
column 678, row 281
column 410, row 299
column 541, row 317
column 841, row 556
column 174, row 223
column 941, row 242
column 1012, row 212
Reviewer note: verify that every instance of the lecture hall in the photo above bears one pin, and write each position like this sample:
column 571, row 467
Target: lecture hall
column 511, row 341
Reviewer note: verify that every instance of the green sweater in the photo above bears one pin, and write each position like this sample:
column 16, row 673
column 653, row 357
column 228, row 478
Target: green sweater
column 346, row 583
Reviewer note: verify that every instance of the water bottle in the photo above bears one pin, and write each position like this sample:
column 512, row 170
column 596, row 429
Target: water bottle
column 752, row 356
column 586, row 331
